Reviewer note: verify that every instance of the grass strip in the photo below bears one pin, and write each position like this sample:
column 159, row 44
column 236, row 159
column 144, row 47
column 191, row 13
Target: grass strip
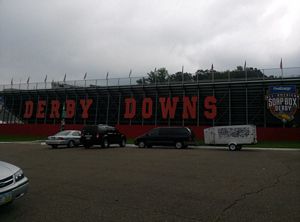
column 14, row 138
column 277, row 144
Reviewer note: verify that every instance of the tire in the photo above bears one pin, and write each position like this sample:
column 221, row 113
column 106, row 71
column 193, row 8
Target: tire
column 123, row 143
column 54, row 146
column 232, row 147
column 141, row 144
column 8, row 203
column 71, row 144
column 105, row 143
column 179, row 145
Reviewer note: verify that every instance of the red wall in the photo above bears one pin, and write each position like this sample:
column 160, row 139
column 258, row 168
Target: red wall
column 271, row 134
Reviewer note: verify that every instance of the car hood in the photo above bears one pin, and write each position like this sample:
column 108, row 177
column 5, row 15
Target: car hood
column 7, row 169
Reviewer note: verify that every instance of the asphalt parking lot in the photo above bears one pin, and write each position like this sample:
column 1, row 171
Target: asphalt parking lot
column 130, row 184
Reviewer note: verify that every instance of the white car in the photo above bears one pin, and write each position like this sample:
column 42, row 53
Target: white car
column 13, row 183
column 69, row 138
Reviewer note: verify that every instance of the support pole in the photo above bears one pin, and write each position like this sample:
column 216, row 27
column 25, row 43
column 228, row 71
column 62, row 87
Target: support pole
column 46, row 110
column 246, row 104
column 20, row 108
column 182, row 100
column 97, row 104
column 229, row 106
column 156, row 101
column 119, row 108
column 107, row 110
column 198, row 105
column 214, row 95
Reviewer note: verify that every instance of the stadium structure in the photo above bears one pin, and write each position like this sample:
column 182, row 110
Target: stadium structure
column 270, row 103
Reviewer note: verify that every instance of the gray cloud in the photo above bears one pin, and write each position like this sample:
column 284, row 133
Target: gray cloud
column 74, row 37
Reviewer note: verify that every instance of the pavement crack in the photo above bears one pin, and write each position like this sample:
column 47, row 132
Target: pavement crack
column 245, row 195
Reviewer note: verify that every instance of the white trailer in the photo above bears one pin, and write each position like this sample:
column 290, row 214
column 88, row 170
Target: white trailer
column 233, row 136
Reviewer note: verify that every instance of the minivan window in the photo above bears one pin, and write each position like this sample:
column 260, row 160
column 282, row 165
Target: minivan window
column 102, row 128
column 173, row 131
column 183, row 131
column 154, row 132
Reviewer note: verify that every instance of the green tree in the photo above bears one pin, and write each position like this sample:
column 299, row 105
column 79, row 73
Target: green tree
column 179, row 77
column 156, row 76
column 161, row 75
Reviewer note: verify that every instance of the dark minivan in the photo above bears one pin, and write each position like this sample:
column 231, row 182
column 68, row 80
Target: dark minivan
column 180, row 137
column 103, row 135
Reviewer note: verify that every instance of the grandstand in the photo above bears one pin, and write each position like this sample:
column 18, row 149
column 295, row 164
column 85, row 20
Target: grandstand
column 238, row 101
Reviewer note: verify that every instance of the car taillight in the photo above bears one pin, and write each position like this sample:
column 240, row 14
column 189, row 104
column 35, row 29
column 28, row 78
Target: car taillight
column 97, row 136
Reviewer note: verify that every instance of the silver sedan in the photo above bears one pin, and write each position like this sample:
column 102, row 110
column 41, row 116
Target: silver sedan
column 13, row 183
column 69, row 138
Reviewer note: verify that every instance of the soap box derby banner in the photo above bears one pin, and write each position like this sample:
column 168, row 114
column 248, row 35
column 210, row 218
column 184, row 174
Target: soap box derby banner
column 283, row 102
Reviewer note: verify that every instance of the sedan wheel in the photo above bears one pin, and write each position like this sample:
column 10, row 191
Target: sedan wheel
column 71, row 144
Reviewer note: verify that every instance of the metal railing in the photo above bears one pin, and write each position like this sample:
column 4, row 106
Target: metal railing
column 268, row 74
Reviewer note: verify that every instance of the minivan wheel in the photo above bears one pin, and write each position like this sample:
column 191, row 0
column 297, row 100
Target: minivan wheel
column 71, row 144
column 232, row 147
column 105, row 143
column 141, row 144
column 179, row 145
column 123, row 143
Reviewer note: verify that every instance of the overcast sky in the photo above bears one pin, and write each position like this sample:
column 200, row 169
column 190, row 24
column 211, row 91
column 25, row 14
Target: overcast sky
column 39, row 37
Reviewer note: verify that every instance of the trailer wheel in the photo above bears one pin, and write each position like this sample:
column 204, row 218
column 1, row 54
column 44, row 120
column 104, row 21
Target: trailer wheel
column 232, row 147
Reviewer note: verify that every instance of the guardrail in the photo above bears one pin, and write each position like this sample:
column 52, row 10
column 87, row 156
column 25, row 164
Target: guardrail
column 268, row 74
